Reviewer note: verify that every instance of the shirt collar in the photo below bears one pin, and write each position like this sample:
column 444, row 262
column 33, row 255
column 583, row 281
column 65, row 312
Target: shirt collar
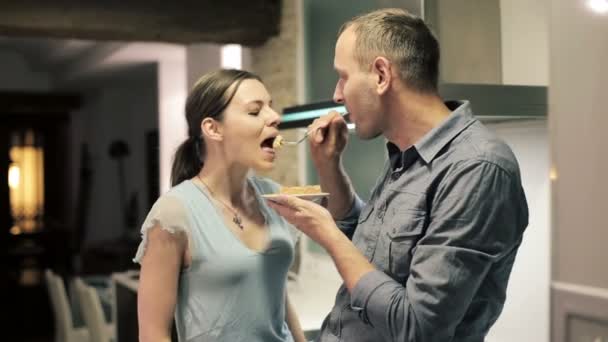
column 401, row 160
column 436, row 139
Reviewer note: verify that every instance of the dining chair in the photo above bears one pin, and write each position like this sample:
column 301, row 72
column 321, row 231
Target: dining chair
column 65, row 331
column 92, row 311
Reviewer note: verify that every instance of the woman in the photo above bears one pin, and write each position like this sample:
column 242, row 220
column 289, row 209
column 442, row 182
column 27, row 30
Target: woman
column 212, row 251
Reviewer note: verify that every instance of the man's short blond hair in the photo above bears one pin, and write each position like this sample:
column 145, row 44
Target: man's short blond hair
column 401, row 37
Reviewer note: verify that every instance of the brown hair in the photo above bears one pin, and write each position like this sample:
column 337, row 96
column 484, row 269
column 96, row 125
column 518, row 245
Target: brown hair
column 207, row 99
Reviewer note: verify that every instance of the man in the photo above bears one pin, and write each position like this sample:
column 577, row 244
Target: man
column 433, row 248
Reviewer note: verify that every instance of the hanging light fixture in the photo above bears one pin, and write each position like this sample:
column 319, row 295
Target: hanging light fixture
column 26, row 182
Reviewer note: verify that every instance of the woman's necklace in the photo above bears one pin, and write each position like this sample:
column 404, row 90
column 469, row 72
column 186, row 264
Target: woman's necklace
column 236, row 218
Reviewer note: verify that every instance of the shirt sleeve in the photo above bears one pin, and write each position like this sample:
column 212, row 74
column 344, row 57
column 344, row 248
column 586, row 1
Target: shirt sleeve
column 477, row 219
column 169, row 214
column 348, row 223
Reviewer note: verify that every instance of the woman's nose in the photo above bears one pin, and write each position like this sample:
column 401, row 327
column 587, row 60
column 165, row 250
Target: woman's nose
column 274, row 118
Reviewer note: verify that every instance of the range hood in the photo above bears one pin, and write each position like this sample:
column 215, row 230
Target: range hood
column 497, row 103
column 491, row 103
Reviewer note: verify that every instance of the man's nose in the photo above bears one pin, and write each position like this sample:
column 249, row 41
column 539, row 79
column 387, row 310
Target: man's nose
column 338, row 96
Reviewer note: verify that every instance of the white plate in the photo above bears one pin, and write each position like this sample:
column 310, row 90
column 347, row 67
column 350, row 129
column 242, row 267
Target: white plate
column 310, row 197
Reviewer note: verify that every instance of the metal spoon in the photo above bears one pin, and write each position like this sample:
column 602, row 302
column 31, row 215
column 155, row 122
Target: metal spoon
column 294, row 143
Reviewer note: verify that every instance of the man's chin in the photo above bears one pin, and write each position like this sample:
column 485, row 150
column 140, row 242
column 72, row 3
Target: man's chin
column 365, row 134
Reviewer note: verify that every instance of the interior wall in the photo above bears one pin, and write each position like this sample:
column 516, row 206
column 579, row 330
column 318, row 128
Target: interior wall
column 172, row 92
column 524, row 36
column 528, row 293
column 578, row 121
column 469, row 35
column 124, row 107
column 578, row 52
column 200, row 59
column 120, row 108
column 17, row 74
column 321, row 21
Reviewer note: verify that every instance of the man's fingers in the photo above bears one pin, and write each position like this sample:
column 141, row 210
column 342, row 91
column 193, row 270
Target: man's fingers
column 337, row 125
column 293, row 209
column 322, row 127
column 282, row 209
column 318, row 129
column 280, row 201
column 292, row 202
column 319, row 134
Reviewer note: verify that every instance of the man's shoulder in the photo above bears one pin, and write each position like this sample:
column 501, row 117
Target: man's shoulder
column 478, row 144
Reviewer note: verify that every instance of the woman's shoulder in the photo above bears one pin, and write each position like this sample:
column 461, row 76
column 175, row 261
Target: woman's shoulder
column 175, row 197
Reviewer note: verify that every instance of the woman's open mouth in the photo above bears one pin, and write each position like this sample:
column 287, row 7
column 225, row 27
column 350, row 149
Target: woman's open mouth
column 267, row 147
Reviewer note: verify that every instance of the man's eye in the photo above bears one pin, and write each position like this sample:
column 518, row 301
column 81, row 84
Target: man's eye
column 254, row 113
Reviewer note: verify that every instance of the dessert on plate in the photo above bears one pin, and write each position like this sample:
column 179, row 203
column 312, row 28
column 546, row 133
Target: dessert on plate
column 307, row 192
column 300, row 190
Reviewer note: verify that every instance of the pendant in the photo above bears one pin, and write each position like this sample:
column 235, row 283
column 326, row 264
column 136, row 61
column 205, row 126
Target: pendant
column 237, row 220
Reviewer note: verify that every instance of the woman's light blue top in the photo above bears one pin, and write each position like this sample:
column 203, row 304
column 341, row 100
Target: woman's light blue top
column 229, row 292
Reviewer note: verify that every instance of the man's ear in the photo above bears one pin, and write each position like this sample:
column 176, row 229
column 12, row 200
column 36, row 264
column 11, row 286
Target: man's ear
column 382, row 68
column 212, row 129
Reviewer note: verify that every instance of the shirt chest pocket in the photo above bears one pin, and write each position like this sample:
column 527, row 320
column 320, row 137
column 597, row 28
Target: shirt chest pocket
column 404, row 225
column 400, row 245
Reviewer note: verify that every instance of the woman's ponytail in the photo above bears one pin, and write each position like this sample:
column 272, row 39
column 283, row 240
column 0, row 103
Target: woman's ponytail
column 187, row 161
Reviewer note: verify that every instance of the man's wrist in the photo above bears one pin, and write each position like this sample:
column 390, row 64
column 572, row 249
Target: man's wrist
column 330, row 167
column 331, row 240
column 341, row 214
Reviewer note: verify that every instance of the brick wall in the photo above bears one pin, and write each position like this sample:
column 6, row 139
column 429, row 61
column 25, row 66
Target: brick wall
column 275, row 62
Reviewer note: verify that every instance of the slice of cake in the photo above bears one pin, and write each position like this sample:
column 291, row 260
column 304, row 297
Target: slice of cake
column 300, row 190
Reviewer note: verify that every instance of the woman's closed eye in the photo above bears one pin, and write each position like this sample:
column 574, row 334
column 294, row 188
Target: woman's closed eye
column 254, row 110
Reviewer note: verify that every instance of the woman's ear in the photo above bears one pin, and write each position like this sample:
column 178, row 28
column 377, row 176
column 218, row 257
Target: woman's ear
column 382, row 69
column 212, row 129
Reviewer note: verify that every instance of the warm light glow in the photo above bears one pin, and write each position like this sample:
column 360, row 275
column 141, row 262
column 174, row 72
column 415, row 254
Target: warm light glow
column 26, row 185
column 598, row 6
column 553, row 174
column 232, row 56
column 14, row 176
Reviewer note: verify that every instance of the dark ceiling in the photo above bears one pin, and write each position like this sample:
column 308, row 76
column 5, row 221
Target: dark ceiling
column 246, row 22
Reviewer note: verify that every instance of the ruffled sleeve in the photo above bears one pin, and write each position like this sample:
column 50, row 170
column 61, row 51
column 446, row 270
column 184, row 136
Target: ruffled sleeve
column 169, row 214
